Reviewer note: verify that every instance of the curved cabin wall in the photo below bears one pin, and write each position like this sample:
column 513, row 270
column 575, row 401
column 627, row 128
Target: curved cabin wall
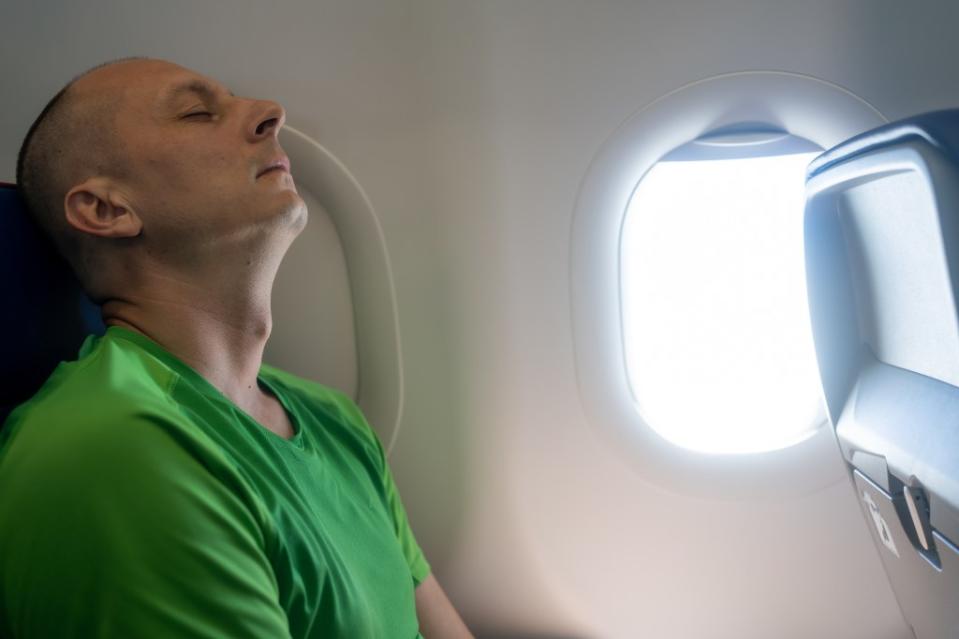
column 470, row 126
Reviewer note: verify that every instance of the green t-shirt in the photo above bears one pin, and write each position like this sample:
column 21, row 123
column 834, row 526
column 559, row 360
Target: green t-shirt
column 136, row 500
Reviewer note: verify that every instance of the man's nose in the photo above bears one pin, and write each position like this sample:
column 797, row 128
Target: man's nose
column 268, row 117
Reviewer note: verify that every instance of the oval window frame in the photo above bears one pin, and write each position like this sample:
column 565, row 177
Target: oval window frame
column 785, row 100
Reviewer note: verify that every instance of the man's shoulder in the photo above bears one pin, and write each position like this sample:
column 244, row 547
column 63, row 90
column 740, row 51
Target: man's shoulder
column 107, row 383
column 98, row 405
column 109, row 414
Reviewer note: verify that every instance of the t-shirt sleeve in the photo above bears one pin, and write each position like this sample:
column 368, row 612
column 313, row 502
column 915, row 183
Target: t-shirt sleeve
column 126, row 533
column 419, row 567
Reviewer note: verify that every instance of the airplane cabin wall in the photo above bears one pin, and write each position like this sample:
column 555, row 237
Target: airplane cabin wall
column 470, row 125
column 527, row 94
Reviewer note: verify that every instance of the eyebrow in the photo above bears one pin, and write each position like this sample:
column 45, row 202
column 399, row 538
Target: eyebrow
column 199, row 87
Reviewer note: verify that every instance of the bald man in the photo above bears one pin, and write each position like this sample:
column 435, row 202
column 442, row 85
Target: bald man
column 168, row 483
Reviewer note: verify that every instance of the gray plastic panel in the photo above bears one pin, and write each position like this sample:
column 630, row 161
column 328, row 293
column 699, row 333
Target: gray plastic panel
column 882, row 250
column 926, row 593
column 900, row 275
column 911, row 422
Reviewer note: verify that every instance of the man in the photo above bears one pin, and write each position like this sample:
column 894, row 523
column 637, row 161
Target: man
column 169, row 484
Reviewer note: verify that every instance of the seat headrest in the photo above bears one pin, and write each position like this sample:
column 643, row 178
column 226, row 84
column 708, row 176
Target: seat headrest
column 45, row 315
column 939, row 129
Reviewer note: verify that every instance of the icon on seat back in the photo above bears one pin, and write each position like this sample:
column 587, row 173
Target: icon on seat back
column 882, row 528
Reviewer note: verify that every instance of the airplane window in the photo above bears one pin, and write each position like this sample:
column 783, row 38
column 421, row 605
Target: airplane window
column 718, row 347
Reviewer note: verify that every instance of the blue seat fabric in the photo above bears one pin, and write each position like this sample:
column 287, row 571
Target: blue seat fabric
column 44, row 314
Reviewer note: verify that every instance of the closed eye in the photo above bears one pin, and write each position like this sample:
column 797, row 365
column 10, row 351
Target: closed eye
column 197, row 114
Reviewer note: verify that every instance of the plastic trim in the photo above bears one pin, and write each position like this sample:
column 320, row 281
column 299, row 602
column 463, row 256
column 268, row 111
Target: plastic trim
column 380, row 387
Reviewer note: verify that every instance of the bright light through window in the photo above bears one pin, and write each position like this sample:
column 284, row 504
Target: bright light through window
column 719, row 350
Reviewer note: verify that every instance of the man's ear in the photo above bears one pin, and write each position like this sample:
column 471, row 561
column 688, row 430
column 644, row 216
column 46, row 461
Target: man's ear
column 96, row 207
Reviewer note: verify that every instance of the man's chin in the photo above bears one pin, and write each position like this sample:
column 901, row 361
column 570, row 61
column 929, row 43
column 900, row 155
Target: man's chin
column 299, row 215
column 292, row 210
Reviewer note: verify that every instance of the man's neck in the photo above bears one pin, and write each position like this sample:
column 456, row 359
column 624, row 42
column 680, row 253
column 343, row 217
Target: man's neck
column 219, row 328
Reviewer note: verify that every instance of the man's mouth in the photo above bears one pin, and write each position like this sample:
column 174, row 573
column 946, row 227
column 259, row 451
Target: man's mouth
column 281, row 163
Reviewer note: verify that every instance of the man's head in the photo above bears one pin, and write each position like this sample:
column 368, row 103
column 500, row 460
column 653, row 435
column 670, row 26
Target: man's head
column 144, row 162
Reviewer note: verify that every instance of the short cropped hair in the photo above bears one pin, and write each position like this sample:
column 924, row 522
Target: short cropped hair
column 71, row 140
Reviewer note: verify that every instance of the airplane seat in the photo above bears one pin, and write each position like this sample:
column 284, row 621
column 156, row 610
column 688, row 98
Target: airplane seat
column 46, row 315
column 882, row 265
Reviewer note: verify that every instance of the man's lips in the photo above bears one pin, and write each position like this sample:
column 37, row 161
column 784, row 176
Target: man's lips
column 281, row 163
